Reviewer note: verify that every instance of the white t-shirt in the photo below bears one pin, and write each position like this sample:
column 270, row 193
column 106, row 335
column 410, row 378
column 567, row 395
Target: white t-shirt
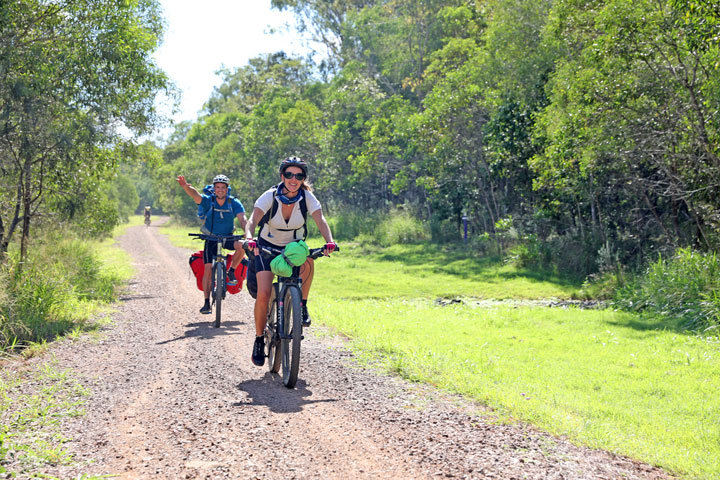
column 277, row 231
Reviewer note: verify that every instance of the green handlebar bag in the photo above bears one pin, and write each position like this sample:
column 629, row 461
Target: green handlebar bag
column 294, row 255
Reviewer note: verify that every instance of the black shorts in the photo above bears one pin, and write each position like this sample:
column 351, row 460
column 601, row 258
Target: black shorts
column 262, row 261
column 210, row 249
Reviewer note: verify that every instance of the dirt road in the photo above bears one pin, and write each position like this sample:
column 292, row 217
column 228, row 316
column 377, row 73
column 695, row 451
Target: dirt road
column 173, row 397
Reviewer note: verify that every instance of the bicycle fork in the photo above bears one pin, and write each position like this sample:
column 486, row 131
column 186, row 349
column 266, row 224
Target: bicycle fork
column 280, row 299
column 281, row 316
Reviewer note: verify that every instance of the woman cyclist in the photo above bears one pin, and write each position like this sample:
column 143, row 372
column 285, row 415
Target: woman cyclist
column 294, row 200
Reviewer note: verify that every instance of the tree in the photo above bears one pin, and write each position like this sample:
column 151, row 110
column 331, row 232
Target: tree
column 631, row 133
column 72, row 71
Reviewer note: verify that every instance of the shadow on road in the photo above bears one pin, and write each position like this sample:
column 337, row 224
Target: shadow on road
column 128, row 298
column 205, row 330
column 269, row 391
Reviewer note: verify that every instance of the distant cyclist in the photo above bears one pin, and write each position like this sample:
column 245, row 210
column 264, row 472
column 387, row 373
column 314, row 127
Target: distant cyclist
column 147, row 214
column 281, row 213
column 222, row 210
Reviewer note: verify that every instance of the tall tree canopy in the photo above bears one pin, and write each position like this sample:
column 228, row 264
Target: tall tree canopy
column 592, row 126
column 72, row 73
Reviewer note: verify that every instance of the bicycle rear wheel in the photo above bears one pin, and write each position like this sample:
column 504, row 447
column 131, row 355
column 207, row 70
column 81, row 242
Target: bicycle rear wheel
column 272, row 343
column 219, row 284
column 290, row 342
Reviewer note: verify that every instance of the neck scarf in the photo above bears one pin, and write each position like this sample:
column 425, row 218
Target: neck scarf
column 285, row 199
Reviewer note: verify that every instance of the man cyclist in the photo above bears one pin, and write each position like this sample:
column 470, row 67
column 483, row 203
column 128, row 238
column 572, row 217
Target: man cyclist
column 147, row 214
column 285, row 205
column 222, row 210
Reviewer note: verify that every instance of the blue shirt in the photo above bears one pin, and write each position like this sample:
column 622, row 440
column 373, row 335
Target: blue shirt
column 220, row 220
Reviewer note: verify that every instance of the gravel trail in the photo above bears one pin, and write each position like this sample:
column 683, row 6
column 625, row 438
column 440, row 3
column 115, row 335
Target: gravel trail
column 173, row 397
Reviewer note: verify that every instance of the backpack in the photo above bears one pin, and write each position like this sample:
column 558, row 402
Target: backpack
column 198, row 268
column 273, row 210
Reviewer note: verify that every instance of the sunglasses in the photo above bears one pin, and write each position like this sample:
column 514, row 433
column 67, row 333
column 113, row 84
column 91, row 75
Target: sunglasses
column 289, row 175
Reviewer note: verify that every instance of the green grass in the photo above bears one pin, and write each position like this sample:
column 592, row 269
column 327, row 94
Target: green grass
column 425, row 271
column 178, row 235
column 606, row 379
column 598, row 377
column 65, row 285
column 115, row 259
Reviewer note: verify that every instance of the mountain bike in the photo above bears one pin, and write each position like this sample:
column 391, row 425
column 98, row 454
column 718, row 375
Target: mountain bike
column 147, row 220
column 283, row 330
column 218, row 288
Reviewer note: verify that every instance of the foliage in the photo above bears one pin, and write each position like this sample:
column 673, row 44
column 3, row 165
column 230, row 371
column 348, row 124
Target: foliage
column 350, row 224
column 51, row 293
column 578, row 138
column 401, row 227
column 630, row 133
column 685, row 286
column 60, row 137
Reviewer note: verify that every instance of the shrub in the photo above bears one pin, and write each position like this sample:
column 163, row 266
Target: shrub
column 401, row 227
column 685, row 286
column 350, row 224
column 445, row 230
column 40, row 296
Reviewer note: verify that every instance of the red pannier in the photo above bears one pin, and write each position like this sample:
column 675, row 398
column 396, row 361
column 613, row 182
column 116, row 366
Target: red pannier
column 198, row 268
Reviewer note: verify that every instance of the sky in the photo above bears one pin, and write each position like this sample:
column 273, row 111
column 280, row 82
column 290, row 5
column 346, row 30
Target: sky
column 202, row 37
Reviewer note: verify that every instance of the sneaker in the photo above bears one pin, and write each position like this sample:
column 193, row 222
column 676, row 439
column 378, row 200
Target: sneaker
column 206, row 309
column 258, row 354
column 231, row 277
column 306, row 321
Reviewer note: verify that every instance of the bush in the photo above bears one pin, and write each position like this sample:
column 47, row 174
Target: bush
column 445, row 230
column 401, row 227
column 40, row 296
column 530, row 253
column 685, row 286
column 350, row 224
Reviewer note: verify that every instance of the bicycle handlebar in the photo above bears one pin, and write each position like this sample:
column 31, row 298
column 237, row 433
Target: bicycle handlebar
column 314, row 252
column 205, row 236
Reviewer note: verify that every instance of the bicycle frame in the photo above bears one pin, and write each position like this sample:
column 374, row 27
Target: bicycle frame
column 218, row 262
column 218, row 285
column 281, row 286
column 284, row 340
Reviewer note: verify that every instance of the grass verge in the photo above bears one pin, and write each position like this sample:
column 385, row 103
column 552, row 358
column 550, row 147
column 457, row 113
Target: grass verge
column 65, row 282
column 603, row 378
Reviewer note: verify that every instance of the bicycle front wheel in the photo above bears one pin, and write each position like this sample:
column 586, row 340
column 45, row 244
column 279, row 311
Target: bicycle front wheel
column 272, row 339
column 219, row 288
column 292, row 336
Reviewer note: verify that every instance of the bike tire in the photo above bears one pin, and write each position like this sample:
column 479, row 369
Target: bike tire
column 292, row 336
column 219, row 283
column 272, row 343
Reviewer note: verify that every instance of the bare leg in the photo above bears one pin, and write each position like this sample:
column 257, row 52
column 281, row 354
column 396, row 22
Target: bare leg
column 264, row 281
column 238, row 256
column 307, row 271
column 207, row 277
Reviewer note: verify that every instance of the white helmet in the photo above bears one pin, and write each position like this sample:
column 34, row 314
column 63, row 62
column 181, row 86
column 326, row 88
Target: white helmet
column 221, row 179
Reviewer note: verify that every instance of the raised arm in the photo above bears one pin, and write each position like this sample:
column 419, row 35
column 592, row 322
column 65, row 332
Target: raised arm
column 189, row 189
